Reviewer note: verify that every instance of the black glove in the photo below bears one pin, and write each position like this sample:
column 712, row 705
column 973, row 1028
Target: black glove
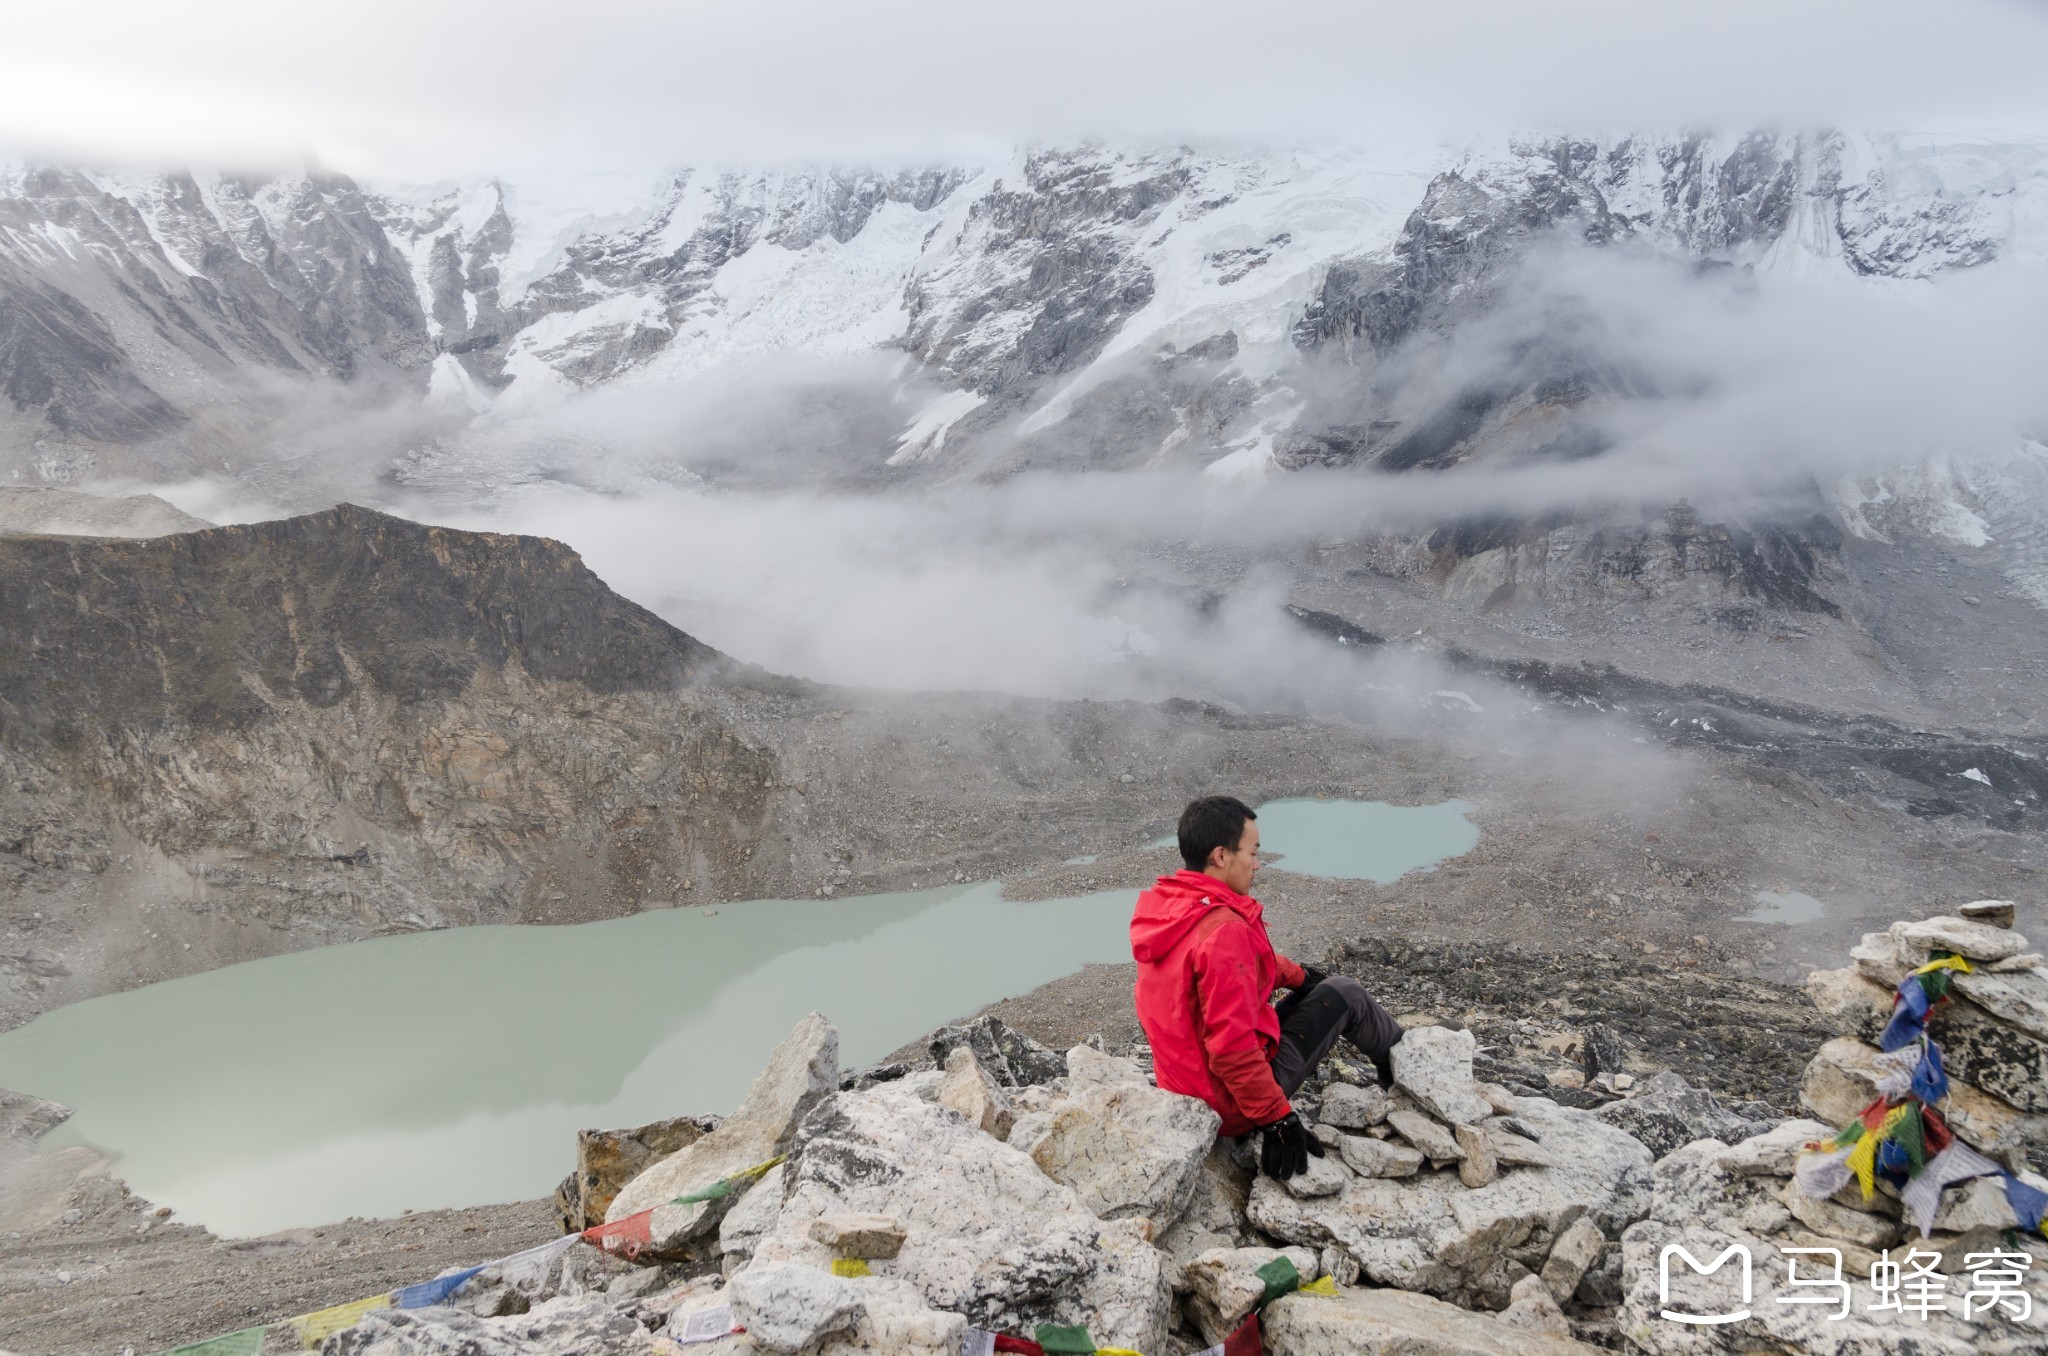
column 1285, row 1147
column 1309, row 979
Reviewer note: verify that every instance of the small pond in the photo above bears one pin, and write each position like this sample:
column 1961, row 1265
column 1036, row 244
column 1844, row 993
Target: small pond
column 1361, row 839
column 1784, row 906
column 453, row 1068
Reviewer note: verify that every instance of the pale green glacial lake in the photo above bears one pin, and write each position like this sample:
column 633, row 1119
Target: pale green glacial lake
column 454, row 1068
column 1361, row 839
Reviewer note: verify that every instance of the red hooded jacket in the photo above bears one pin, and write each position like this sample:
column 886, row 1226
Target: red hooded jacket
column 1206, row 975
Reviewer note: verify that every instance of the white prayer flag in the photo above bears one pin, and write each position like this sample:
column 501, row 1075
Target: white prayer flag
column 707, row 1325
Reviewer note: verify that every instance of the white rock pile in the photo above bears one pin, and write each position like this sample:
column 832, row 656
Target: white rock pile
column 1710, row 1197
column 1011, row 1186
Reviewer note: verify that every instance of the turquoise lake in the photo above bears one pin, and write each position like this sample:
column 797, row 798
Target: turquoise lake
column 453, row 1068
column 1360, row 839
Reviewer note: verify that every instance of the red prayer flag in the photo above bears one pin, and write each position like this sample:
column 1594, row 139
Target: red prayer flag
column 1019, row 1345
column 625, row 1237
column 1246, row 1340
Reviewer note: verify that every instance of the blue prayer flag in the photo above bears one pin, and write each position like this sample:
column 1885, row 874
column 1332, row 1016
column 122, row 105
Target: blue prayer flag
column 1930, row 1079
column 1908, row 1015
column 2026, row 1202
column 431, row 1292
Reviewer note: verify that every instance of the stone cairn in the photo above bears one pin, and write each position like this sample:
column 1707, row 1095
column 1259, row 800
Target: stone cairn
column 1011, row 1189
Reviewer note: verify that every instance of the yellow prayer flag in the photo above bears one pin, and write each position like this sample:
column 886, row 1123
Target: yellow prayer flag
column 315, row 1328
column 1115, row 1351
column 1946, row 963
column 1322, row 1285
column 1862, row 1159
column 850, row 1267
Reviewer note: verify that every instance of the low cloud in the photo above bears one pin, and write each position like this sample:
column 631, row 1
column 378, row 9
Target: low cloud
column 461, row 87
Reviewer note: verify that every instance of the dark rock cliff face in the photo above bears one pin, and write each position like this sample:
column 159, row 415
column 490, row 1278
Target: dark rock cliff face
column 245, row 740
column 217, row 628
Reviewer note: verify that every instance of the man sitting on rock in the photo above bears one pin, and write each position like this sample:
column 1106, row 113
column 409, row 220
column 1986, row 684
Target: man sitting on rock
column 1206, row 976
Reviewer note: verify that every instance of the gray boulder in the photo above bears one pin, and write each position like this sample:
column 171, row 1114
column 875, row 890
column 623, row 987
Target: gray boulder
column 1433, row 1065
column 1378, row 1157
column 1396, row 1323
column 791, row 1308
column 1668, row 1112
column 800, row 1072
column 1011, row 1058
column 560, row 1327
column 987, row 1234
column 1352, row 1108
column 743, row 1227
column 1125, row 1147
column 1223, row 1285
column 1976, row 1046
column 1841, row 1079
column 1470, row 1245
column 966, row 1087
column 1433, row 1140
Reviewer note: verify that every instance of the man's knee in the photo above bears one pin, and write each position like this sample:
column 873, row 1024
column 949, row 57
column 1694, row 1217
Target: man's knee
column 1371, row 1027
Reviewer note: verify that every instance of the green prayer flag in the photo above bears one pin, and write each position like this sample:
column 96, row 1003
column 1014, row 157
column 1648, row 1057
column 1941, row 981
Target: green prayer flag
column 716, row 1191
column 1059, row 1341
column 1281, row 1279
column 1911, row 1136
column 247, row 1342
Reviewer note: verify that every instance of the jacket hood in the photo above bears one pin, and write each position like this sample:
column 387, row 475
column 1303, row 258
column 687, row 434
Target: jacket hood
column 1168, row 911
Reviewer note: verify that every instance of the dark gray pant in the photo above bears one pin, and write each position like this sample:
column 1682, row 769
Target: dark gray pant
column 1339, row 1006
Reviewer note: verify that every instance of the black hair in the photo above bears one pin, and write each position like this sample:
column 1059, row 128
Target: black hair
column 1210, row 823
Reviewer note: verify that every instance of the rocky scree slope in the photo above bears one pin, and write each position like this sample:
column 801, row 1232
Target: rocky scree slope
column 1002, row 1185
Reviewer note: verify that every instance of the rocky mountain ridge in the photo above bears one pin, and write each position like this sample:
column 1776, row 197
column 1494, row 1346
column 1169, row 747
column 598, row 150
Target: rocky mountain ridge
column 242, row 740
column 1023, row 288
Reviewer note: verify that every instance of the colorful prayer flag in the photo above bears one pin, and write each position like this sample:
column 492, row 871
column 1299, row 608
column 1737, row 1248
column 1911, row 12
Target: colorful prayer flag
column 1909, row 1014
column 2027, row 1202
column 247, row 1342
column 1281, row 1278
column 1930, row 1079
column 707, row 1325
column 1956, row 1162
column 1246, row 1341
column 317, row 1327
column 626, row 1237
column 852, row 1268
column 1057, row 1340
column 1018, row 1345
column 725, row 1186
column 1822, row 1175
column 1946, row 962
column 1325, row 1286
column 529, row 1269
column 431, row 1292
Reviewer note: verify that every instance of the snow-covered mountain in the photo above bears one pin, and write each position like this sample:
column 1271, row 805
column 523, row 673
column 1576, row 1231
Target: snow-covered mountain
column 1080, row 307
column 142, row 317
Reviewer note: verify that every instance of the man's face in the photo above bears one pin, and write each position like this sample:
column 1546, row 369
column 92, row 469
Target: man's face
column 1236, row 866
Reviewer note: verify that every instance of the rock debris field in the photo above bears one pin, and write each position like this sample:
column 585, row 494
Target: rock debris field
column 1517, row 1190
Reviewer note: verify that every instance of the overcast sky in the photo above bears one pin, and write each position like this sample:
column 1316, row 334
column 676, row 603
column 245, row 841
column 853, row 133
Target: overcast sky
column 429, row 88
